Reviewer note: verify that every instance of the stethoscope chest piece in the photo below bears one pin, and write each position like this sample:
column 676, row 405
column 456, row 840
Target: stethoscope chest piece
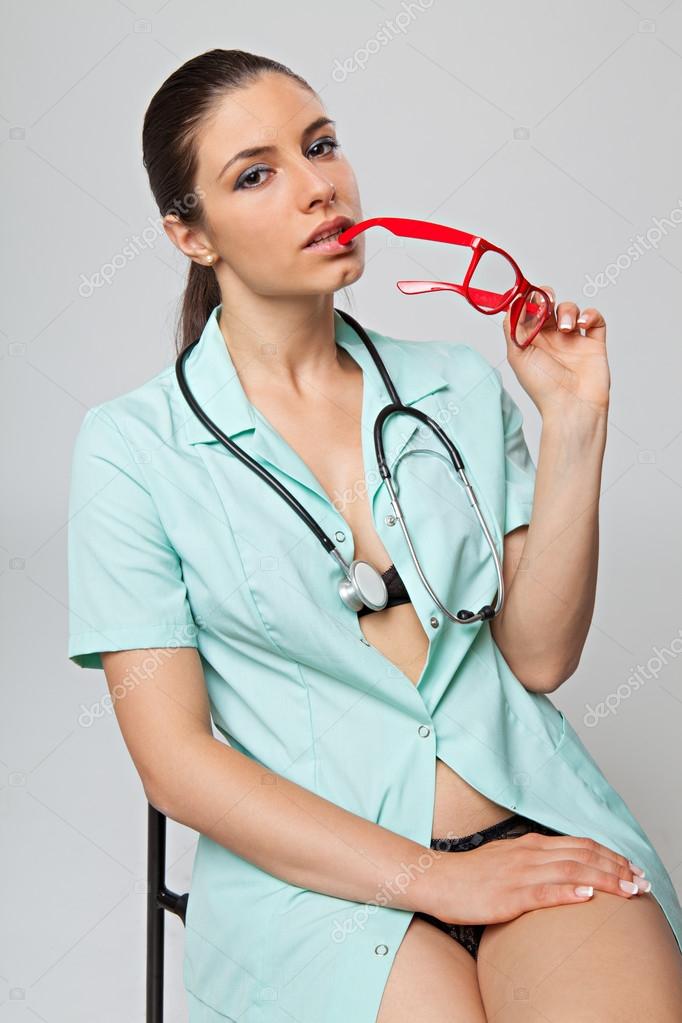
column 364, row 586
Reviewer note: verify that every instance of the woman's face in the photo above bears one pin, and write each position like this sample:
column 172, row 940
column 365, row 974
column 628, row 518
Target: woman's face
column 260, row 210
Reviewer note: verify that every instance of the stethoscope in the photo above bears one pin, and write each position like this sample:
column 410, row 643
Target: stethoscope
column 362, row 584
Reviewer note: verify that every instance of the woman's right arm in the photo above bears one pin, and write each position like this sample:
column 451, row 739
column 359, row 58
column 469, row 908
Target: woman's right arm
column 309, row 841
column 282, row 827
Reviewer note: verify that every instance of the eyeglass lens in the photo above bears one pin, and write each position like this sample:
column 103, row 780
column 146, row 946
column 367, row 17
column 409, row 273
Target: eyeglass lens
column 491, row 284
column 492, row 281
column 531, row 317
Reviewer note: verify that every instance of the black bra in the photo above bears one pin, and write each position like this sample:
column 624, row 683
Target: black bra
column 397, row 594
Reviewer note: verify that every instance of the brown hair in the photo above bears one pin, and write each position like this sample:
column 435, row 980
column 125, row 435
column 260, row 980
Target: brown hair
column 169, row 133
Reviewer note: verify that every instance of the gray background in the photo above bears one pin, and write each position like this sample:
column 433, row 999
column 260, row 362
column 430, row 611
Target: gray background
column 552, row 129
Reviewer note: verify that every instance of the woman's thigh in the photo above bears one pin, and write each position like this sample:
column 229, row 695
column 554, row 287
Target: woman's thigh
column 433, row 980
column 610, row 959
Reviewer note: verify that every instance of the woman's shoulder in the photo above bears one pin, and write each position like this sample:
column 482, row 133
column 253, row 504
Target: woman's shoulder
column 461, row 364
column 144, row 410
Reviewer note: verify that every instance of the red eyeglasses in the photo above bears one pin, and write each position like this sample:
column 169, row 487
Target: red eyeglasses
column 493, row 282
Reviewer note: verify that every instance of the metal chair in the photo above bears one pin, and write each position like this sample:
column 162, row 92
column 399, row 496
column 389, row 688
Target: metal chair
column 159, row 901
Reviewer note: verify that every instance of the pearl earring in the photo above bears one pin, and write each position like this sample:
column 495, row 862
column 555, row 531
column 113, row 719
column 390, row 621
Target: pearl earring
column 209, row 259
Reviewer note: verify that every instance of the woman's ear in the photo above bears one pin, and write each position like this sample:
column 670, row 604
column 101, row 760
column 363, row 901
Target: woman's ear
column 189, row 240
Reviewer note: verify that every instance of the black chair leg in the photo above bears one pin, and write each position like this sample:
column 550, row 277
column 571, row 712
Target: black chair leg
column 159, row 900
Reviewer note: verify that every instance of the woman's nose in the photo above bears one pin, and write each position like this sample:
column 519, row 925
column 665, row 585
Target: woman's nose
column 314, row 184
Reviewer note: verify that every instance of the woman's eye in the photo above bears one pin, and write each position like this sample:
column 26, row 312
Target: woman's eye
column 326, row 142
column 249, row 175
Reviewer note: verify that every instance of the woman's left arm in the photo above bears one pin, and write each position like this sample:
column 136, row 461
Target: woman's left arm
column 549, row 600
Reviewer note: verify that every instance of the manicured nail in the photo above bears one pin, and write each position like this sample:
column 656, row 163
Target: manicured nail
column 643, row 885
column 565, row 322
column 582, row 319
column 636, row 870
column 628, row 886
column 584, row 891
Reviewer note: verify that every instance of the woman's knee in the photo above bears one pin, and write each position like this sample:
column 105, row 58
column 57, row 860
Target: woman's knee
column 432, row 978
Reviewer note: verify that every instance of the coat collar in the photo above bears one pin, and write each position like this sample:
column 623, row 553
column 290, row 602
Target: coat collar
column 213, row 380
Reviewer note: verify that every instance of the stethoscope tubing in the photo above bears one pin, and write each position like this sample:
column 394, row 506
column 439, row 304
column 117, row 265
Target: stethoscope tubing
column 395, row 407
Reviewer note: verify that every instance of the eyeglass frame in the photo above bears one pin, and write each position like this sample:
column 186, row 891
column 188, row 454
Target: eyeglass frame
column 427, row 231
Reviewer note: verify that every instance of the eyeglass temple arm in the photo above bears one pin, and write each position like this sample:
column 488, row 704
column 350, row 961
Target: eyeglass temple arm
column 479, row 296
column 406, row 228
column 409, row 228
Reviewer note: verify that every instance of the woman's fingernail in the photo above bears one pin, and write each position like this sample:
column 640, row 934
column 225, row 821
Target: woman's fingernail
column 565, row 322
column 582, row 319
column 628, row 886
column 643, row 885
column 636, row 870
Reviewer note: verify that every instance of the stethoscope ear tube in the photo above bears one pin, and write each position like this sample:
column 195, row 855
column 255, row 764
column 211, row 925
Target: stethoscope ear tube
column 362, row 585
column 463, row 616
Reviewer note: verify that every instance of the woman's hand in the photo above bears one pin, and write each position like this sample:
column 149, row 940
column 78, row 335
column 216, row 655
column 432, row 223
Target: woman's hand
column 500, row 880
column 560, row 369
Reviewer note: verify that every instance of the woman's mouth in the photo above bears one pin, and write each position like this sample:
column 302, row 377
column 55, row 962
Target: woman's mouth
column 330, row 244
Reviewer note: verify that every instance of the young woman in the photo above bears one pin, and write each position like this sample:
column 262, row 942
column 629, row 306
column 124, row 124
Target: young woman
column 362, row 748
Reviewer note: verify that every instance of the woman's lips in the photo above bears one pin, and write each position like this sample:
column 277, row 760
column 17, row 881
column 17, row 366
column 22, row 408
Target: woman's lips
column 330, row 245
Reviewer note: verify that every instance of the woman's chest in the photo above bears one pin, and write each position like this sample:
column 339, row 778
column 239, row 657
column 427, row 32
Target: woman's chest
column 253, row 567
column 328, row 440
column 334, row 453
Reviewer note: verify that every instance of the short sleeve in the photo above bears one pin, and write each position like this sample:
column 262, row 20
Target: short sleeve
column 520, row 470
column 126, row 589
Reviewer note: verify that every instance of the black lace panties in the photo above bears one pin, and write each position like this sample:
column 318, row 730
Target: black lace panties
column 469, row 935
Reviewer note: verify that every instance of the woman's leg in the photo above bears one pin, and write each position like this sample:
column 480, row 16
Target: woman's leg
column 434, row 975
column 433, row 980
column 609, row 960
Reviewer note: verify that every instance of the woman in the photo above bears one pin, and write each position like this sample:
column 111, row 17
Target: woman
column 359, row 746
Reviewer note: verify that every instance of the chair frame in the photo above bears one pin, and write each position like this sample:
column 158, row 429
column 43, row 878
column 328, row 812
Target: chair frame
column 160, row 900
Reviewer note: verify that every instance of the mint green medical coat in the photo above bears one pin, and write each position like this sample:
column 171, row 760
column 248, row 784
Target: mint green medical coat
column 173, row 541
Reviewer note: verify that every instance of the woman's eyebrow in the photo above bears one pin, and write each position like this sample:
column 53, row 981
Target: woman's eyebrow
column 244, row 154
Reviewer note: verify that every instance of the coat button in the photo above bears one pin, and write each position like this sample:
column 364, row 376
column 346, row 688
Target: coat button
column 340, row 536
column 434, row 622
column 424, row 730
column 390, row 520
column 381, row 950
